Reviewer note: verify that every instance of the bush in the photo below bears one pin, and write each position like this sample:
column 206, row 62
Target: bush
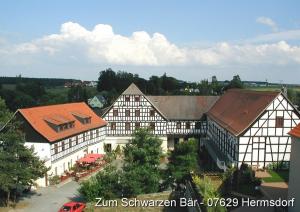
column 118, row 151
column 54, row 180
column 105, row 184
column 256, row 182
column 208, row 191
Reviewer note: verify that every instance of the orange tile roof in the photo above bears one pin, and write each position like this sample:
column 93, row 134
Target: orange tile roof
column 295, row 131
column 37, row 117
column 237, row 109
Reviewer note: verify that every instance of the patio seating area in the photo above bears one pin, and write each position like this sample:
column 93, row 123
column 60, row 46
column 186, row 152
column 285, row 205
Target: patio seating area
column 85, row 166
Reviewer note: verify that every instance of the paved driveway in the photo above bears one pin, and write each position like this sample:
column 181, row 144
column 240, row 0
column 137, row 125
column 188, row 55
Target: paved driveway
column 51, row 198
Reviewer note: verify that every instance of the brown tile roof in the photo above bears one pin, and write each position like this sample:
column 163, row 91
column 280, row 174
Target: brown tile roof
column 183, row 107
column 237, row 109
column 38, row 117
column 132, row 90
column 295, row 131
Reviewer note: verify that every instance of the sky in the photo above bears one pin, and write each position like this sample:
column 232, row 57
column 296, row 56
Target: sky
column 190, row 40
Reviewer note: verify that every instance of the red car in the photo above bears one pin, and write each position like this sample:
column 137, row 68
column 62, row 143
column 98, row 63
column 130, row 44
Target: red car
column 72, row 207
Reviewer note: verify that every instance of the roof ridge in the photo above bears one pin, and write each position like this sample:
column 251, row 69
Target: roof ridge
column 132, row 89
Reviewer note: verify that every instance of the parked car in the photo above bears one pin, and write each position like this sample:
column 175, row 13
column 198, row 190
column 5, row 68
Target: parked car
column 72, row 207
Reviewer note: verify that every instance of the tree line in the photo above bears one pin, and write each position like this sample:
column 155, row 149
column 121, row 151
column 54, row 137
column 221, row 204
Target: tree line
column 48, row 82
column 29, row 92
column 111, row 84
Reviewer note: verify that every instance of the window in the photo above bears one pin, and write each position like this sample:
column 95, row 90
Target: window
column 279, row 122
column 62, row 146
column 152, row 126
column 137, row 113
column 107, row 147
column 188, row 125
column 113, row 126
column 178, row 125
column 127, row 98
column 87, row 121
column 55, row 149
column 91, row 134
column 70, row 143
column 152, row 113
column 137, row 125
column 127, row 113
column 137, row 98
column 76, row 140
column 198, row 125
column 115, row 113
column 127, row 126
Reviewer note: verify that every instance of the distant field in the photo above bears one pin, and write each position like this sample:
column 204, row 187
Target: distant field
column 272, row 88
column 58, row 90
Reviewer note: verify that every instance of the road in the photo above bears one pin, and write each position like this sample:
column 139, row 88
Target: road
column 51, row 198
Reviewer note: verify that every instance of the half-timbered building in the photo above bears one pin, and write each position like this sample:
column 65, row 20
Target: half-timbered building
column 62, row 134
column 169, row 117
column 251, row 127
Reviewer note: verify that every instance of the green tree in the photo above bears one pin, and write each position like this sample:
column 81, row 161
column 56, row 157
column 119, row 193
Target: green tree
column 77, row 94
column 182, row 160
column 236, row 82
column 208, row 191
column 141, row 167
column 18, row 164
column 34, row 89
column 105, row 184
column 106, row 80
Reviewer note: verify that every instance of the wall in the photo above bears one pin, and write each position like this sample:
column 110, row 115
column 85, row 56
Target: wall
column 264, row 143
column 294, row 185
column 123, row 140
column 144, row 106
column 224, row 140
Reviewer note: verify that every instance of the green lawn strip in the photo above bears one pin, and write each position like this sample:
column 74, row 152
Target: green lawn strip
column 277, row 176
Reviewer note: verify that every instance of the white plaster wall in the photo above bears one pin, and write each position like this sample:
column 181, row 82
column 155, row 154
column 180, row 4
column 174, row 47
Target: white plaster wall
column 42, row 149
column 122, row 141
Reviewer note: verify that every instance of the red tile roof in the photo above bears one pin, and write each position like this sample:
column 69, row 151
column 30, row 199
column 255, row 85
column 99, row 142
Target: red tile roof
column 237, row 109
column 295, row 131
column 39, row 118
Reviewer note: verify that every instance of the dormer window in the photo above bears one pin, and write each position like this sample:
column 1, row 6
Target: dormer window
column 83, row 118
column 59, row 123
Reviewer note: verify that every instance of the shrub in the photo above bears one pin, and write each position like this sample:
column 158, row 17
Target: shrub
column 54, row 180
column 208, row 191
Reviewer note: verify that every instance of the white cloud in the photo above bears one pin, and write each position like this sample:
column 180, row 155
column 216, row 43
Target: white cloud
column 76, row 46
column 267, row 21
column 278, row 36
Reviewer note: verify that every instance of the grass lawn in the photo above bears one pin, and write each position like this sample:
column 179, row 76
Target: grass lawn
column 277, row 176
column 157, row 196
column 272, row 88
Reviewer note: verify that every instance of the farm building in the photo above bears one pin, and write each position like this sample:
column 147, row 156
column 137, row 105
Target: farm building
column 172, row 118
column 251, row 127
column 62, row 134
